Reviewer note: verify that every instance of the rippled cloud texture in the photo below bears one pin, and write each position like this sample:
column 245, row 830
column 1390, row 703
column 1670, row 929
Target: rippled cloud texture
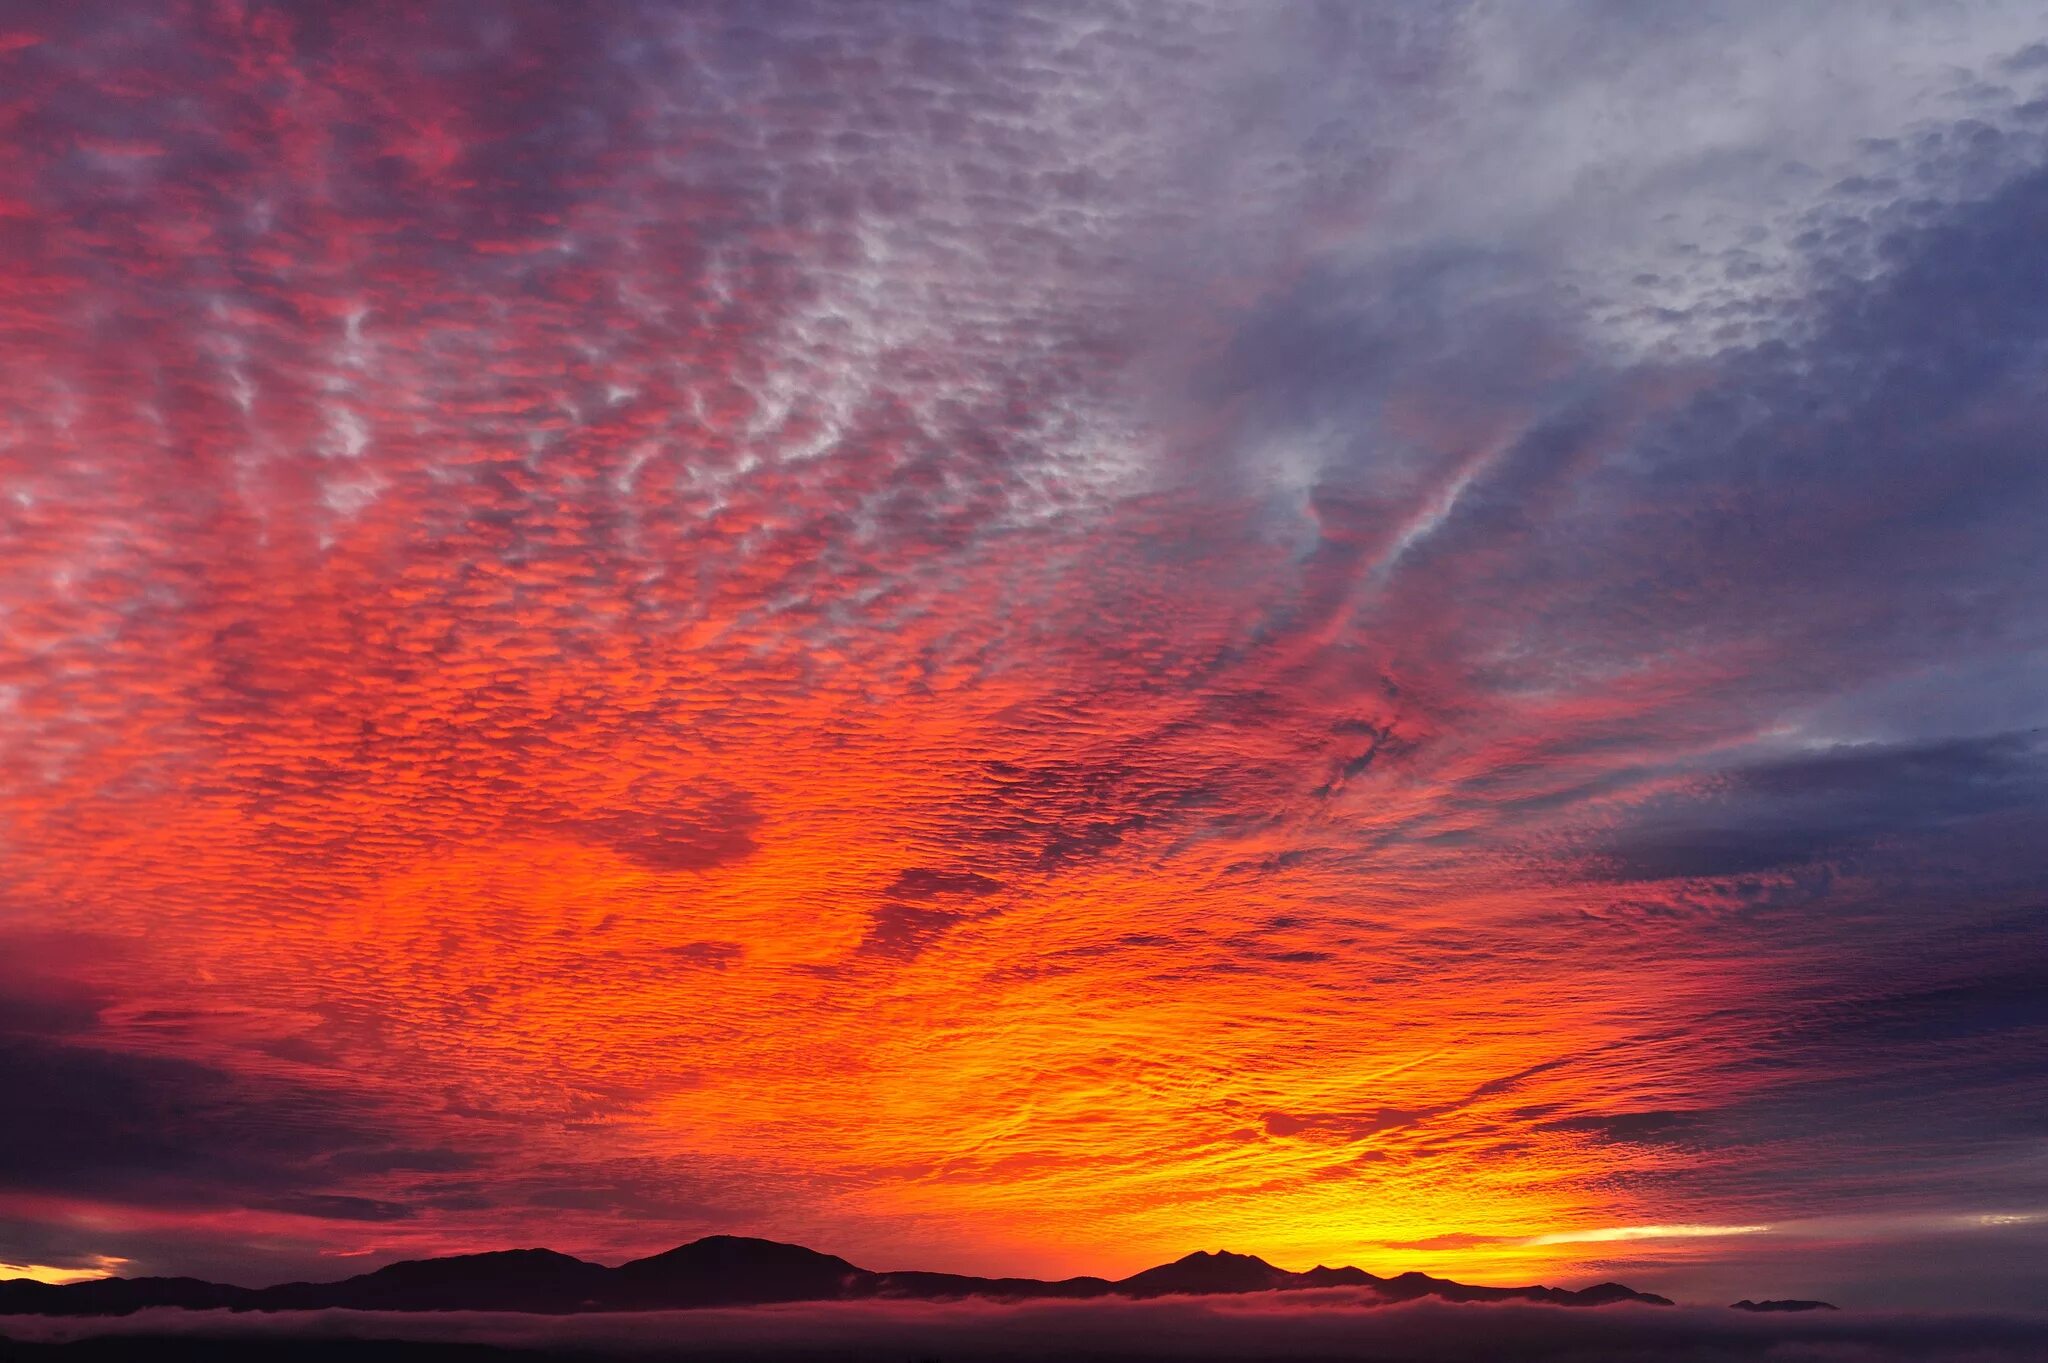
column 1028, row 637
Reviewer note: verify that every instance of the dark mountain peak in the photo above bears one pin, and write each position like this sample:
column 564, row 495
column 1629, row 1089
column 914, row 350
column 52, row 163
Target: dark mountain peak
column 1206, row 1272
column 728, row 1252
column 491, row 1263
column 1223, row 1257
column 735, row 1270
column 1411, row 1285
column 1414, row 1284
column 1600, row 1294
column 1783, row 1304
column 914, row 1285
column 497, row 1280
column 114, row 1296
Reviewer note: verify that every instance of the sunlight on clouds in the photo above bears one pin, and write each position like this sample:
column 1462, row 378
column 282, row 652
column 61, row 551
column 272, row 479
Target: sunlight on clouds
column 1602, row 1233
column 1060, row 636
column 104, row 1267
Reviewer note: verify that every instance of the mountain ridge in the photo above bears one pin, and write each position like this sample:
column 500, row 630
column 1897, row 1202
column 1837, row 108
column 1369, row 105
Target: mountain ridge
column 726, row 1270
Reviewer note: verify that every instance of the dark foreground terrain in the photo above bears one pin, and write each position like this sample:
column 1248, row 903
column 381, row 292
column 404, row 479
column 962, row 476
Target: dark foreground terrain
column 1312, row 1325
column 724, row 1271
column 735, row 1299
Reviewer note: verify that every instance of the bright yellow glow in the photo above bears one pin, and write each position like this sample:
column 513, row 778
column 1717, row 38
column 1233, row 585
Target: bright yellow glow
column 103, row 1267
column 1572, row 1237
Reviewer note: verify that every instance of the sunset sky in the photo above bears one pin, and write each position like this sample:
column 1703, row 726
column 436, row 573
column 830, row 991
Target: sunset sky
column 1025, row 638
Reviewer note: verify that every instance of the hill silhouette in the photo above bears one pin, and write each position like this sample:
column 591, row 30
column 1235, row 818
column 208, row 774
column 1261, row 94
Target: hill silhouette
column 726, row 1270
column 1786, row 1304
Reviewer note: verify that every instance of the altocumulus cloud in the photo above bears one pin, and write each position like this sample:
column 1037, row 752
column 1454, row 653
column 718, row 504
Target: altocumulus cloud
column 1339, row 603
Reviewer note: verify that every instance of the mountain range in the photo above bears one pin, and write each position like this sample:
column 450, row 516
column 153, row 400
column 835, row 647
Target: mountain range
column 725, row 1270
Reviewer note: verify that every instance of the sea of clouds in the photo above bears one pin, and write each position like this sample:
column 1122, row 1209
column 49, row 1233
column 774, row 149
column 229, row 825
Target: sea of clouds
column 1305, row 1325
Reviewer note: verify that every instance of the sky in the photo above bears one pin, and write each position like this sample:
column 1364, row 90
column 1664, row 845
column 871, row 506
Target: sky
column 1029, row 637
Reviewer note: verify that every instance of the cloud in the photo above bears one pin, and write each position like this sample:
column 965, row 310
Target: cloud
column 1303, row 1325
column 336, row 1207
column 159, row 1128
column 1835, row 801
column 692, row 836
column 1674, row 1127
column 928, row 882
column 926, row 630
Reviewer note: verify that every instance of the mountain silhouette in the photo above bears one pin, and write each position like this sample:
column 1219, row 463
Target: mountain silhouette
column 732, row 1270
column 503, row 1280
column 1785, row 1304
column 728, row 1270
column 1202, row 1274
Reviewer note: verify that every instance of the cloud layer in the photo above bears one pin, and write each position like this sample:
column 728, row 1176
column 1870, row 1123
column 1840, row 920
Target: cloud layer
column 1023, row 638
column 1331, row 1325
